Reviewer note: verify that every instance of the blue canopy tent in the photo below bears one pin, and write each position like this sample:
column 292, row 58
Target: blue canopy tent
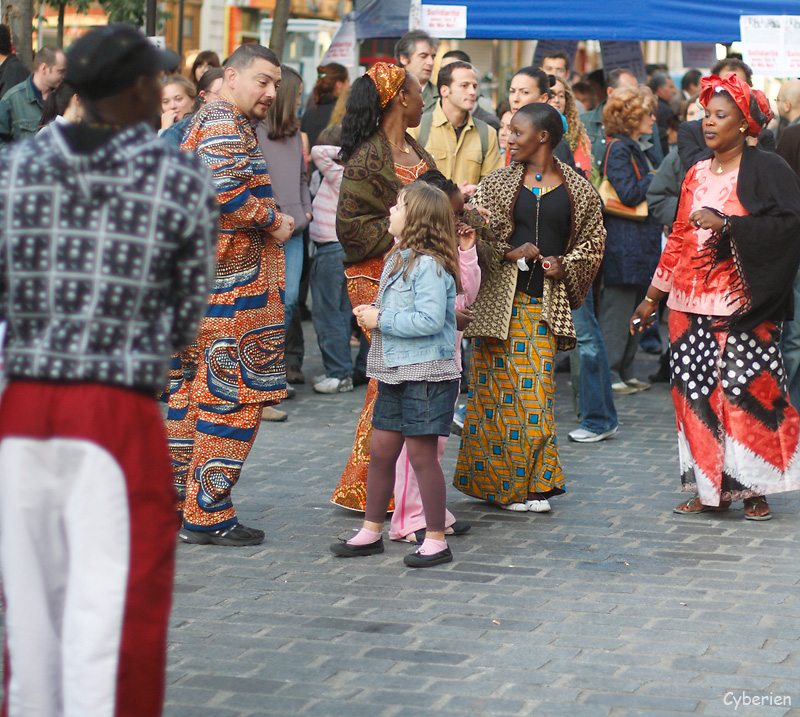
column 685, row 20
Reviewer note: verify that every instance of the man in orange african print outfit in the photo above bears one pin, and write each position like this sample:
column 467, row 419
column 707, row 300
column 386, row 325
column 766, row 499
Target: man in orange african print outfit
column 218, row 386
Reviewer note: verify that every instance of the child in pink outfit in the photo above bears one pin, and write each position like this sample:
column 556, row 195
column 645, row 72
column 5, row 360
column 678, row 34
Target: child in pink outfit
column 408, row 516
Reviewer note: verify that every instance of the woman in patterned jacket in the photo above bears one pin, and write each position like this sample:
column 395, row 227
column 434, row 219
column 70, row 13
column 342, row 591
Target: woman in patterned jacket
column 548, row 221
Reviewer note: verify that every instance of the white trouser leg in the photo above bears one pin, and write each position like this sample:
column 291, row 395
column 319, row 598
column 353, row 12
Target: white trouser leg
column 64, row 550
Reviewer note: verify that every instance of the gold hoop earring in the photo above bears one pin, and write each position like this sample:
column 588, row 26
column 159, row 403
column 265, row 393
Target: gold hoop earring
column 405, row 104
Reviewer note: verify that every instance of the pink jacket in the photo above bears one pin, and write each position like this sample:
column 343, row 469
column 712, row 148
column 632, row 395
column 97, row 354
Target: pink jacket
column 323, row 228
column 470, row 283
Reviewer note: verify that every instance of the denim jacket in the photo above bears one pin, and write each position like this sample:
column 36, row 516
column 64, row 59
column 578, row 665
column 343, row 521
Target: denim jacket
column 417, row 318
column 20, row 112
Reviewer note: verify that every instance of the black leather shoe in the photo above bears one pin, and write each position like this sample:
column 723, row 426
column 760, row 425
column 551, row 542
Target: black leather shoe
column 233, row 535
column 415, row 560
column 359, row 378
column 344, row 550
column 460, row 527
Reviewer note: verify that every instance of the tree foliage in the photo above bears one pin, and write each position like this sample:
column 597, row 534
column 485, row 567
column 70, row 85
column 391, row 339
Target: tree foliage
column 132, row 12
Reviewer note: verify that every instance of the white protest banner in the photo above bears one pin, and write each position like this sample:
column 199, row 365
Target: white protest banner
column 791, row 44
column 699, row 55
column 762, row 44
column 445, row 21
column 415, row 16
column 344, row 46
column 617, row 53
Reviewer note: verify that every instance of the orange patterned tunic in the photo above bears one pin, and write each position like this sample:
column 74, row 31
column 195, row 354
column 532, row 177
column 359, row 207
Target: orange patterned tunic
column 241, row 337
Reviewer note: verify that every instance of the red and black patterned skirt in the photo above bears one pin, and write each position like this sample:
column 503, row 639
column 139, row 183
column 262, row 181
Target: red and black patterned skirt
column 738, row 435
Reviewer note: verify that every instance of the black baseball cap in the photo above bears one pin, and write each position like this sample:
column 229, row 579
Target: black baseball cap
column 111, row 58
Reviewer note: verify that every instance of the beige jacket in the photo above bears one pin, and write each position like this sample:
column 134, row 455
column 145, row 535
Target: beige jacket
column 461, row 160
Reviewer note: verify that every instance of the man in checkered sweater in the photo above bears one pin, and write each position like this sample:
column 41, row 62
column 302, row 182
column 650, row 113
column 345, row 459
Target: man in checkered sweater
column 107, row 247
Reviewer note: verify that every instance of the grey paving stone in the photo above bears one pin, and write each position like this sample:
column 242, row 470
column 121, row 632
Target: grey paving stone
column 286, row 629
column 233, row 684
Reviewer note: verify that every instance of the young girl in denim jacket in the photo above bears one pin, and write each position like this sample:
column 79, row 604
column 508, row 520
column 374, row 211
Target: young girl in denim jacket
column 413, row 357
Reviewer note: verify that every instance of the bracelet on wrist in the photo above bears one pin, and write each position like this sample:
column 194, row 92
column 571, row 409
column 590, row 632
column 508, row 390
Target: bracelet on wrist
column 648, row 299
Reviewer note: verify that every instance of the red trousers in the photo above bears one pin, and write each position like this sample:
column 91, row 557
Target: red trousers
column 87, row 548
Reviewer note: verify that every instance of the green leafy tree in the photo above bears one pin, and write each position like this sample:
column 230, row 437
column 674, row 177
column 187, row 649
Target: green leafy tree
column 80, row 6
column 132, row 12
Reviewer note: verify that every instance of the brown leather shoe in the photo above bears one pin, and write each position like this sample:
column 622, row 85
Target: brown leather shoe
column 294, row 375
column 273, row 414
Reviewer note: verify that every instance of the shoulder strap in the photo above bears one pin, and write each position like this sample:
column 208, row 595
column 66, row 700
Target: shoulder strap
column 605, row 161
column 425, row 128
column 483, row 133
column 633, row 161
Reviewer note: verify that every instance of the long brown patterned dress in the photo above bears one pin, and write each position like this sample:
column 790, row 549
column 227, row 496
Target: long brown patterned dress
column 362, row 285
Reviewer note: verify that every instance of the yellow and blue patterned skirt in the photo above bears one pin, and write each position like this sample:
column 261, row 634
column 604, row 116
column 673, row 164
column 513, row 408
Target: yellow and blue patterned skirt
column 509, row 447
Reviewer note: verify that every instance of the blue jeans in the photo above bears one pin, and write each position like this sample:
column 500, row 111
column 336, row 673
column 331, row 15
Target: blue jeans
column 790, row 347
column 293, row 253
column 596, row 401
column 331, row 310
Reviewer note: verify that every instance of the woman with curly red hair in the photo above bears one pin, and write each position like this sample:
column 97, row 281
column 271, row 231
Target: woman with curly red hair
column 632, row 247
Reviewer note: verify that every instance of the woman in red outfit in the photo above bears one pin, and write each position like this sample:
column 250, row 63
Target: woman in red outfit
column 728, row 268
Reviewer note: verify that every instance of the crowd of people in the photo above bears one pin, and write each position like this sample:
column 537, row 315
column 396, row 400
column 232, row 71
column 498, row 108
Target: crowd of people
column 162, row 235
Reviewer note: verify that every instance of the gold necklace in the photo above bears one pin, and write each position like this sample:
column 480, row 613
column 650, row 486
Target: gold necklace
column 721, row 168
column 407, row 149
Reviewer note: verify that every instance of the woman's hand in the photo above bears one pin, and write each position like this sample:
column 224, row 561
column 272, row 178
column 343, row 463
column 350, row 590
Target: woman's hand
column 527, row 251
column 168, row 118
column 553, row 267
column 464, row 318
column 483, row 211
column 366, row 316
column 467, row 189
column 706, row 219
column 466, row 236
column 641, row 317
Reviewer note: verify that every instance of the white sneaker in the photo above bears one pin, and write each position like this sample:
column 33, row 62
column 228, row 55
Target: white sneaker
column 334, row 385
column 637, row 384
column 537, row 506
column 581, row 435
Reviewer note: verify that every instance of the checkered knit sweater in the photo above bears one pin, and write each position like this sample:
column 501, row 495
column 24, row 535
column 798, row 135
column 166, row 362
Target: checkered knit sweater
column 106, row 257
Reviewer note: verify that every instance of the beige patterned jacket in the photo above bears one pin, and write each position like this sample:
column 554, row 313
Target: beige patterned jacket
column 498, row 192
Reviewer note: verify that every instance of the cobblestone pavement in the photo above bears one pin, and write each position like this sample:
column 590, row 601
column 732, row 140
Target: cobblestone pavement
column 609, row 605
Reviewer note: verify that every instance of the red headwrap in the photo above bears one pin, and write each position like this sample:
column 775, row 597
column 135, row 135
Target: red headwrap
column 388, row 79
column 740, row 92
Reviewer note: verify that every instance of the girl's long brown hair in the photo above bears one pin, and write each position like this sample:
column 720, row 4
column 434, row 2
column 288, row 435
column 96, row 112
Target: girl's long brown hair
column 576, row 132
column 430, row 230
column 281, row 120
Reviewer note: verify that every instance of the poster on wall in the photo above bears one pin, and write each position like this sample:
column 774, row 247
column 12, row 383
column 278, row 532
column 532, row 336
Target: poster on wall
column 699, row 55
column 771, row 44
column 344, row 46
column 545, row 47
column 444, row 21
column 617, row 53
